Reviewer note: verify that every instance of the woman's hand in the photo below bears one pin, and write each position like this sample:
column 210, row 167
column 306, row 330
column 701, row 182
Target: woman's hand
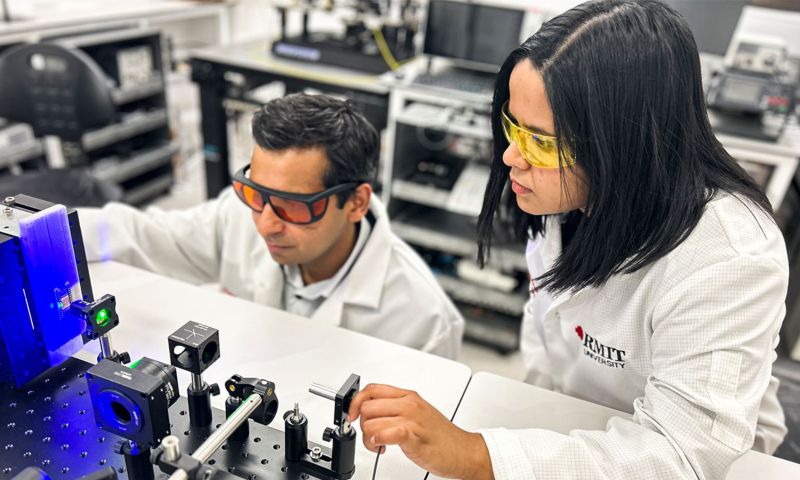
column 392, row 416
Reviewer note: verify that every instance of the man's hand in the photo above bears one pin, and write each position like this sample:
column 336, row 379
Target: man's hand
column 392, row 416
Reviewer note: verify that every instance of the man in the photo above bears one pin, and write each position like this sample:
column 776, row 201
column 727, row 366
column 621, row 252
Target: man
column 322, row 246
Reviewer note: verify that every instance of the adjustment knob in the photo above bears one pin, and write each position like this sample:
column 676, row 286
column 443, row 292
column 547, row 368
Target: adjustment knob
column 327, row 434
column 214, row 389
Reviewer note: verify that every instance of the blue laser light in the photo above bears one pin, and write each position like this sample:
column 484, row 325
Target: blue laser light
column 38, row 271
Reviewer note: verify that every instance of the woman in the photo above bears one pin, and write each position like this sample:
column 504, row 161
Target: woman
column 658, row 273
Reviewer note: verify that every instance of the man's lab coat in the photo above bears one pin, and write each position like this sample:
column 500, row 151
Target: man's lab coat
column 389, row 292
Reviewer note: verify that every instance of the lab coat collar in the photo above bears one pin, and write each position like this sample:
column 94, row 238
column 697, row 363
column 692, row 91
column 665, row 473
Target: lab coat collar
column 293, row 275
column 551, row 247
column 363, row 286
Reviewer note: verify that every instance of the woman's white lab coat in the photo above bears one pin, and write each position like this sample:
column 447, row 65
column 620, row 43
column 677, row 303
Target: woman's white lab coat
column 685, row 344
column 389, row 292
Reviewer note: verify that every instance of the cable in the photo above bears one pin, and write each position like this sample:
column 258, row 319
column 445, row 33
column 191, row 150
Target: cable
column 383, row 47
column 375, row 469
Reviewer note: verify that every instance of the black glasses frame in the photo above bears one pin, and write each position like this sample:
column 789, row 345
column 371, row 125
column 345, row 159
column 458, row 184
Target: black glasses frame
column 308, row 199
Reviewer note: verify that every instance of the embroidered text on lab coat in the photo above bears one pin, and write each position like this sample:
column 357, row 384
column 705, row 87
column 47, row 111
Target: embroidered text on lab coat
column 602, row 354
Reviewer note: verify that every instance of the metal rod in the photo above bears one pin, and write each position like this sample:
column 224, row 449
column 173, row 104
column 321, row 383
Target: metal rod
column 323, row 391
column 220, row 435
column 296, row 413
column 197, row 382
column 105, row 346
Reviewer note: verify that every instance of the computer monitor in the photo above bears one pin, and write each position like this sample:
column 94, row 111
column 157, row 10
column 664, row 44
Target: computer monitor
column 472, row 34
column 712, row 21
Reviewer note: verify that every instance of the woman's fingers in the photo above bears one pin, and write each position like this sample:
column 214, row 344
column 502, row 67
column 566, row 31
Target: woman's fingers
column 371, row 392
column 386, row 431
column 386, row 407
column 392, row 416
column 399, row 435
column 374, row 431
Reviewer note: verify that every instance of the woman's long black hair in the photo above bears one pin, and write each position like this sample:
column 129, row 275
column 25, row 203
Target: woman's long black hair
column 623, row 81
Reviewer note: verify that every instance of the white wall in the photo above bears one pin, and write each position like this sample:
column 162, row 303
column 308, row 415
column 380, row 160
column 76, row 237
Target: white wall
column 252, row 20
column 766, row 21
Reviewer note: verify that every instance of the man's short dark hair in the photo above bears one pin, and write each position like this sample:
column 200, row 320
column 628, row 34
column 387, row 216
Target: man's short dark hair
column 308, row 121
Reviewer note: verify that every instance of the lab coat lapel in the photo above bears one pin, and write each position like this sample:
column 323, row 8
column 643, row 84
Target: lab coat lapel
column 269, row 284
column 551, row 242
column 363, row 285
column 330, row 311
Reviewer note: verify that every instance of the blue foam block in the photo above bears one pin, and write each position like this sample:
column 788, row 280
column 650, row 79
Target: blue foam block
column 22, row 351
column 53, row 281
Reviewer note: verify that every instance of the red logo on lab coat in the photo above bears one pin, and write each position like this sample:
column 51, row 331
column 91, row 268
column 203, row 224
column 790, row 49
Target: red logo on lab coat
column 579, row 331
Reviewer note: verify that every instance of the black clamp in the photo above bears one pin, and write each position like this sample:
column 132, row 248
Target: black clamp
column 187, row 463
column 240, row 388
column 123, row 358
column 345, row 395
column 339, row 461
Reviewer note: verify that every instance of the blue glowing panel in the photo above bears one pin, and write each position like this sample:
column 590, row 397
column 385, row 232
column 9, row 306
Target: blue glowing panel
column 22, row 351
column 53, row 281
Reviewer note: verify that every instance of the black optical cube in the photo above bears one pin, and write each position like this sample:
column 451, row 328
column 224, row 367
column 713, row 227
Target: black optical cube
column 131, row 403
column 194, row 347
column 100, row 316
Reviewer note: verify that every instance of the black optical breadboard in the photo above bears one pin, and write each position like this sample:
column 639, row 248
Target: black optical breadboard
column 50, row 424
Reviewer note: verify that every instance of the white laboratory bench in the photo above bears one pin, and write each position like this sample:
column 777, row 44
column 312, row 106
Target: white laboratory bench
column 494, row 401
column 293, row 352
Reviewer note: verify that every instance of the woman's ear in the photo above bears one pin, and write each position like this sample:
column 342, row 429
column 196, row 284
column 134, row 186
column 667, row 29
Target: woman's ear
column 358, row 204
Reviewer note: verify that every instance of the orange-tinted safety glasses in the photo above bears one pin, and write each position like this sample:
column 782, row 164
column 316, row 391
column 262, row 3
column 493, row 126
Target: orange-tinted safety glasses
column 297, row 208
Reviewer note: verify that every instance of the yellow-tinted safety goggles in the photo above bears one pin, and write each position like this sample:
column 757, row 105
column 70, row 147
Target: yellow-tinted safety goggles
column 541, row 151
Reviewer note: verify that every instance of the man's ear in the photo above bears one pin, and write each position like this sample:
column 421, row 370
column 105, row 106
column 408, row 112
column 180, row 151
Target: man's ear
column 358, row 204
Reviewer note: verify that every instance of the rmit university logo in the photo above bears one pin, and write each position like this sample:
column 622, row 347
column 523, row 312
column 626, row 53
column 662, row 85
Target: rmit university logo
column 602, row 354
